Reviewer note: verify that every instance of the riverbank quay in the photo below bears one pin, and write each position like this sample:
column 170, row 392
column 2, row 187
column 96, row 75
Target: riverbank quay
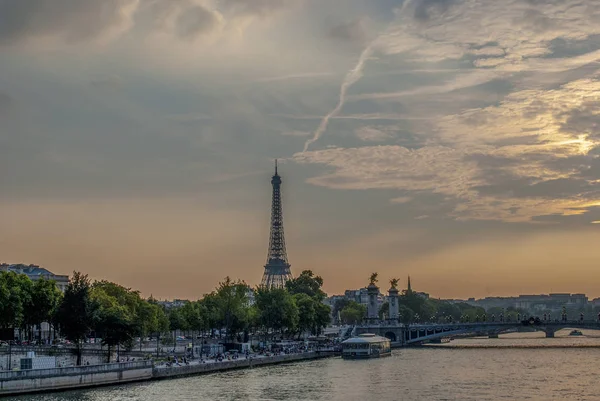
column 42, row 380
column 196, row 367
column 61, row 379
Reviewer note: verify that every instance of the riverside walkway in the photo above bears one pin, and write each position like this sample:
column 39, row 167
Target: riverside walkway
column 70, row 378
column 164, row 370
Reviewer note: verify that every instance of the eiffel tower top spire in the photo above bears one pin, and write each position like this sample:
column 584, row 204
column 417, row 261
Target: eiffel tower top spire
column 277, row 268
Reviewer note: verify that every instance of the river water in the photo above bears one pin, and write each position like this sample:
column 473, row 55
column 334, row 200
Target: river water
column 519, row 366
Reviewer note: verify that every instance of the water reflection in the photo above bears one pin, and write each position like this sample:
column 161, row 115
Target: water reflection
column 498, row 371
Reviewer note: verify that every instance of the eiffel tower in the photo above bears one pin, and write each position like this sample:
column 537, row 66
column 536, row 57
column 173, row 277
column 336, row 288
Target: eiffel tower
column 277, row 269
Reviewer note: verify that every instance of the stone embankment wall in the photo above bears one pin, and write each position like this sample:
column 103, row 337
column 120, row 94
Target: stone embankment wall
column 40, row 380
column 63, row 359
column 176, row 371
column 27, row 381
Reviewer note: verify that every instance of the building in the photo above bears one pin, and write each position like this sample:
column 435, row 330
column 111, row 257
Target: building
column 35, row 272
column 534, row 303
column 277, row 269
column 361, row 296
column 176, row 303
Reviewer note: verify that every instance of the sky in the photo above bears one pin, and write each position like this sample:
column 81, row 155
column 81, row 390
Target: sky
column 457, row 141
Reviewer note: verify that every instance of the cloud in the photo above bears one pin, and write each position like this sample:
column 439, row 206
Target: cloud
column 296, row 76
column 73, row 21
column 374, row 134
column 6, row 104
column 76, row 21
column 584, row 120
column 185, row 19
column 256, row 7
column 426, row 9
column 296, row 133
column 107, row 81
column 351, row 31
column 195, row 21
column 534, row 154
column 401, row 199
column 437, row 169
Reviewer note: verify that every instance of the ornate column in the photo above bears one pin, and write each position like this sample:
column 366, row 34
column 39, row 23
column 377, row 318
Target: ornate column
column 393, row 303
column 373, row 307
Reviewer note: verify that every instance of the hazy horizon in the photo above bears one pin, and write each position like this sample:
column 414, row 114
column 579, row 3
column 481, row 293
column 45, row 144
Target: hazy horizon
column 455, row 141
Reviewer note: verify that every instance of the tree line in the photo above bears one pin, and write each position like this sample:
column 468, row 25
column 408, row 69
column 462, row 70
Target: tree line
column 117, row 315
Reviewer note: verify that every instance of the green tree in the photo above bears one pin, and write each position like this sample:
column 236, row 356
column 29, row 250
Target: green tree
column 24, row 286
column 192, row 313
column 122, row 314
column 322, row 317
column 338, row 306
column 353, row 313
column 45, row 299
column 162, row 320
column 277, row 309
column 76, row 313
column 306, row 312
column 306, row 283
column 176, row 319
column 146, row 319
column 384, row 310
column 406, row 314
column 114, row 322
column 209, row 307
column 15, row 296
column 232, row 304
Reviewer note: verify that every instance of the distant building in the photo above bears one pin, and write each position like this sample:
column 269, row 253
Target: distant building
column 176, row 303
column 332, row 300
column 361, row 296
column 534, row 302
column 35, row 272
column 251, row 298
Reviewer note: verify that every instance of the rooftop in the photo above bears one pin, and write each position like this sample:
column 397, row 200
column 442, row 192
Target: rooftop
column 30, row 270
column 366, row 338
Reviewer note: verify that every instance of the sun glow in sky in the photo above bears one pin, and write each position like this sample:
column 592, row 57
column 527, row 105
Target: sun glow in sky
column 457, row 141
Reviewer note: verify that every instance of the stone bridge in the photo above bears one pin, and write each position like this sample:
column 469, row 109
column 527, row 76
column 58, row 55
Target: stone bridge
column 416, row 334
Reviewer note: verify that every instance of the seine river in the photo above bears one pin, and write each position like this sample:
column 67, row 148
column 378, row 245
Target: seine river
column 520, row 366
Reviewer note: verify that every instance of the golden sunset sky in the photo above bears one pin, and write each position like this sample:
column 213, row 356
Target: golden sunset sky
column 457, row 141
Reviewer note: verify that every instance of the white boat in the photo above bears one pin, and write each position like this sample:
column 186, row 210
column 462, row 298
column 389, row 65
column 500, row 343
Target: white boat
column 366, row 346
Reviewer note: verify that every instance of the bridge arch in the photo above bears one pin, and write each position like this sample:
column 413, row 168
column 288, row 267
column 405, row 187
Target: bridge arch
column 391, row 336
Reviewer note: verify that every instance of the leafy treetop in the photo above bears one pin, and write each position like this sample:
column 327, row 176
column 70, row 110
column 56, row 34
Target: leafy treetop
column 307, row 283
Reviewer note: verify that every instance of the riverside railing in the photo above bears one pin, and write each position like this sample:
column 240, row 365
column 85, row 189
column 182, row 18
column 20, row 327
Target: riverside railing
column 74, row 370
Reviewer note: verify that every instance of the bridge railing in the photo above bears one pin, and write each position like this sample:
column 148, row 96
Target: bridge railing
column 567, row 323
column 89, row 369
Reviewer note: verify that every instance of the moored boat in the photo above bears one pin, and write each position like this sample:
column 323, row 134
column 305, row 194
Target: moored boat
column 576, row 333
column 366, row 346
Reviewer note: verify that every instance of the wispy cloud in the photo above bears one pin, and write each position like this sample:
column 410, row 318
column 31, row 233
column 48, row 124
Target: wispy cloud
column 305, row 75
column 353, row 76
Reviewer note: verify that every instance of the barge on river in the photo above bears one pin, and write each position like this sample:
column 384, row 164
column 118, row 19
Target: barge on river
column 366, row 346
